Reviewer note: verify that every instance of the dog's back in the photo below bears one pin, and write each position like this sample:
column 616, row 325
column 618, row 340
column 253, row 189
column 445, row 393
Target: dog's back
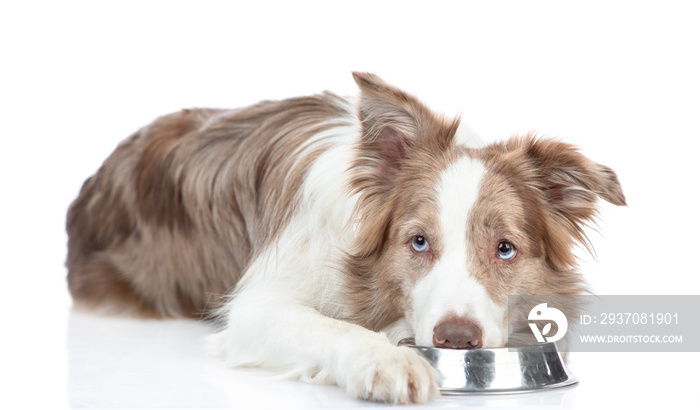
column 169, row 222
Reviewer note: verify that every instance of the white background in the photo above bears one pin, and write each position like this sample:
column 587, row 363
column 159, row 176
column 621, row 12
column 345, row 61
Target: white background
column 620, row 80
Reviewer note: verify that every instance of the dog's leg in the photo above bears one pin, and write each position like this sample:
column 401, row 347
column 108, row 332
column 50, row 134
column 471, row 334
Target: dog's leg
column 268, row 329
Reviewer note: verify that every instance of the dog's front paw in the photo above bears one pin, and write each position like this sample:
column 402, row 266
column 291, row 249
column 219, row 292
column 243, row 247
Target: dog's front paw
column 394, row 375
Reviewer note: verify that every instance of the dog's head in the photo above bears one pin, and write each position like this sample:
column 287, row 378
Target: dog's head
column 448, row 231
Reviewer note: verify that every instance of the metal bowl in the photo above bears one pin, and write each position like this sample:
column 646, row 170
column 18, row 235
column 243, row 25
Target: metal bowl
column 500, row 370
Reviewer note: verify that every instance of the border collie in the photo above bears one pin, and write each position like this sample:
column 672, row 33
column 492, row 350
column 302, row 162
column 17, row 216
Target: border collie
column 323, row 230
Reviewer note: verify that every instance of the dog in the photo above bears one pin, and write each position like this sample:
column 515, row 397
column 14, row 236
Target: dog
column 322, row 230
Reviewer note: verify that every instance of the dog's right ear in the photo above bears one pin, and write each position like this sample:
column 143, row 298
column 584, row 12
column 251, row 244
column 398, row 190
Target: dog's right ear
column 393, row 123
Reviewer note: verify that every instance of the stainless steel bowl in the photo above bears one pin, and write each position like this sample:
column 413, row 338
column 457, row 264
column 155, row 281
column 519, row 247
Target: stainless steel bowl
column 500, row 370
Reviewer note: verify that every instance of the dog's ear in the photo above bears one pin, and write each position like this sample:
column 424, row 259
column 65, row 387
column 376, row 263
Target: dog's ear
column 559, row 187
column 393, row 123
column 570, row 181
column 569, row 184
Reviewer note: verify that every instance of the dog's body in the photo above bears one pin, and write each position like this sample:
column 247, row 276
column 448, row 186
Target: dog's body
column 337, row 228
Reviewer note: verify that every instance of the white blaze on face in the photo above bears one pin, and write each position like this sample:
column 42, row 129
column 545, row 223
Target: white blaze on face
column 449, row 289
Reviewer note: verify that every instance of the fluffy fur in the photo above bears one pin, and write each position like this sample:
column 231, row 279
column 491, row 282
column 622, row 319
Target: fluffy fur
column 323, row 230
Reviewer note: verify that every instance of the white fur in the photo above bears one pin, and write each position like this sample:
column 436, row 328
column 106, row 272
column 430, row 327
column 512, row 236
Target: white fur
column 284, row 313
column 449, row 288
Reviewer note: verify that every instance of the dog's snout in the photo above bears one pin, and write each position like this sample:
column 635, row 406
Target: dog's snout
column 457, row 332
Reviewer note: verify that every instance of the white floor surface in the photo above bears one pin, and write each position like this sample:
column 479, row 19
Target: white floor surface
column 92, row 361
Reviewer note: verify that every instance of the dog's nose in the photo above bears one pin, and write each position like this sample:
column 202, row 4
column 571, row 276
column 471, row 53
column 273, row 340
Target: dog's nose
column 457, row 332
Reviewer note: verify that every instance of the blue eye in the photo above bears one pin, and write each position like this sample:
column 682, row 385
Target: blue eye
column 419, row 244
column 506, row 251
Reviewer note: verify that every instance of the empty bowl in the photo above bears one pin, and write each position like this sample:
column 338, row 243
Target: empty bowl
column 498, row 370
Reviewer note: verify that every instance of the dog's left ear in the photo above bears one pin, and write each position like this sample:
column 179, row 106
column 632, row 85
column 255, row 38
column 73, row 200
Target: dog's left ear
column 569, row 183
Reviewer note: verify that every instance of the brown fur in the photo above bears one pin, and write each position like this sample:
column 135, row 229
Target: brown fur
column 172, row 218
column 402, row 142
column 539, row 194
